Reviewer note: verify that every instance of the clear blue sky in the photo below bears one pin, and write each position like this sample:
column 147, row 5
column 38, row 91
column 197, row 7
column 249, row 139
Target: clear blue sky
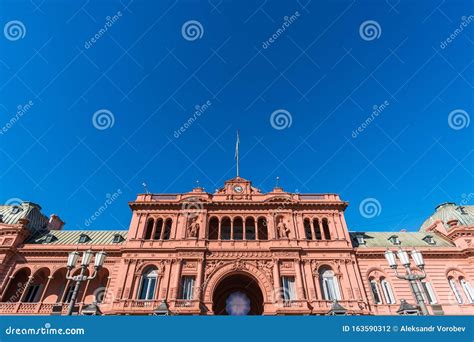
column 319, row 69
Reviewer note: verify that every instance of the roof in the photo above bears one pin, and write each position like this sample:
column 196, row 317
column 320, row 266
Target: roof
column 407, row 239
column 29, row 210
column 448, row 211
column 71, row 237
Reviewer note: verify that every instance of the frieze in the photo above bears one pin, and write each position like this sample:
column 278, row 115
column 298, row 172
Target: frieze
column 239, row 254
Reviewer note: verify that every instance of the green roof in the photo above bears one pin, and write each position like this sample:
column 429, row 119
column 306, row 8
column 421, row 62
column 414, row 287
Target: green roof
column 450, row 211
column 71, row 237
column 407, row 239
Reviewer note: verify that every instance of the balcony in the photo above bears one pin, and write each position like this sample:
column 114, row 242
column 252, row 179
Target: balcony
column 354, row 307
column 34, row 308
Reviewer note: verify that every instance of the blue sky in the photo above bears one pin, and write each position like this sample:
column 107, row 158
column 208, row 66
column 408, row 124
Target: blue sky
column 323, row 72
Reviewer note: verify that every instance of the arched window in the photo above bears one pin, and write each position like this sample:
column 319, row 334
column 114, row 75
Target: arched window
column 387, row 291
column 468, row 291
column 213, row 228
column 317, row 229
column 329, row 284
column 262, row 228
column 158, row 229
column 250, row 228
column 225, row 228
column 307, row 229
column 148, row 284
column 375, row 291
column 149, row 229
column 327, row 234
column 167, row 232
column 238, row 229
column 454, row 288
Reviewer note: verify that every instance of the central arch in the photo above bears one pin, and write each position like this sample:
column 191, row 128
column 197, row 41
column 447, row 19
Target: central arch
column 237, row 294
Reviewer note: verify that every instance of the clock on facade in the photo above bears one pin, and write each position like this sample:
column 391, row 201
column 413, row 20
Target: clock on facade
column 238, row 188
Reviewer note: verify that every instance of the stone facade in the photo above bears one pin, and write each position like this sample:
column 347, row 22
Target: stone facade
column 282, row 253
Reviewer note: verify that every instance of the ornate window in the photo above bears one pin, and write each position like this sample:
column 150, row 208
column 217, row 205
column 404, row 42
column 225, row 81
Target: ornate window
column 238, row 226
column 250, row 228
column 225, row 228
column 187, row 287
column 327, row 234
column 148, row 284
column 213, row 228
column 468, row 291
column 167, row 232
column 158, row 229
column 262, row 228
column 307, row 229
column 289, row 292
column 149, row 229
column 329, row 285
column 454, row 288
column 317, row 230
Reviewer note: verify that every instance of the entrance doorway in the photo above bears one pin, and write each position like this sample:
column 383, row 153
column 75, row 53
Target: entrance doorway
column 238, row 294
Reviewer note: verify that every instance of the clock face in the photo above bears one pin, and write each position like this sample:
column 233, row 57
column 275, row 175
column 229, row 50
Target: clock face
column 238, row 189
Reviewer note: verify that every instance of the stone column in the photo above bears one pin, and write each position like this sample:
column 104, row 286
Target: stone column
column 45, row 289
column 299, row 280
column 177, row 273
column 276, row 281
column 199, row 283
column 25, row 290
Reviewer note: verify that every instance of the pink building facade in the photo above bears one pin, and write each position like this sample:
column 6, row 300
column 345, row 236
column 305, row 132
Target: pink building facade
column 235, row 251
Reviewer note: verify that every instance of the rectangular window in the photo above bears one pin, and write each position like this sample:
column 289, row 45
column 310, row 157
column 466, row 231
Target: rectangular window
column 32, row 294
column 387, row 291
column 187, row 287
column 429, row 292
column 69, row 292
column 289, row 291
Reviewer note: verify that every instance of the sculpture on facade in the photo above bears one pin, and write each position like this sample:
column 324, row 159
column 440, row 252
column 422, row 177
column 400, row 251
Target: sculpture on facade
column 283, row 230
column 193, row 228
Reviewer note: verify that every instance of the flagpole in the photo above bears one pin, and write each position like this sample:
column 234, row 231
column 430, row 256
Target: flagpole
column 237, row 143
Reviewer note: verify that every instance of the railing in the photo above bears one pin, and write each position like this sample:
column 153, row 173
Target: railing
column 33, row 308
column 185, row 303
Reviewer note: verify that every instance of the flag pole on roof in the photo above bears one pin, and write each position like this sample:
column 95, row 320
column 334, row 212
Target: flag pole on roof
column 237, row 143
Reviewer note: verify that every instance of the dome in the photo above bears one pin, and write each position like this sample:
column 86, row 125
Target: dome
column 449, row 211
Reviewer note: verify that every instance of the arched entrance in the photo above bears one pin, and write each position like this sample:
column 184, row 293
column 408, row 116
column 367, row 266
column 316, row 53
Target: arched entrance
column 237, row 294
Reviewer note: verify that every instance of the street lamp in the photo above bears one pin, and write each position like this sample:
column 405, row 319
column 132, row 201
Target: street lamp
column 72, row 259
column 411, row 277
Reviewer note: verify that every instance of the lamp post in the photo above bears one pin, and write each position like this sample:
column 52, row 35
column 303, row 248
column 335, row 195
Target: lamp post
column 411, row 277
column 78, row 279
